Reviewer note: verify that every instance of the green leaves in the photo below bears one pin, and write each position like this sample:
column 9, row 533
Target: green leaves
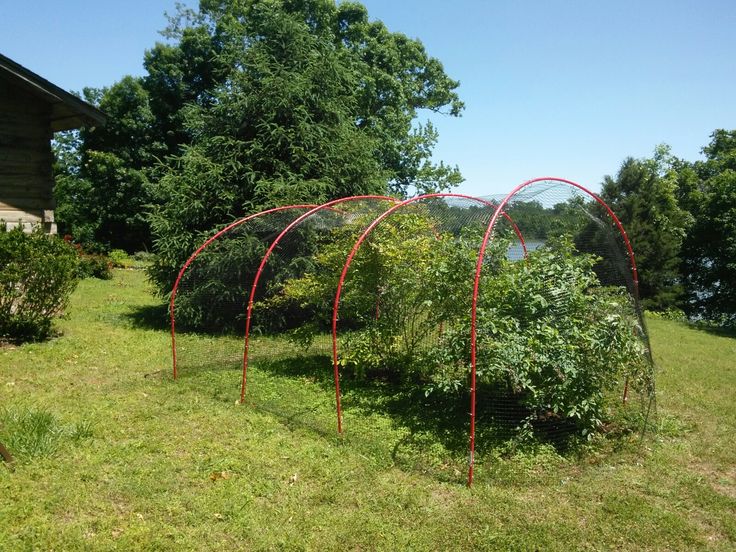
column 644, row 197
column 37, row 275
column 709, row 263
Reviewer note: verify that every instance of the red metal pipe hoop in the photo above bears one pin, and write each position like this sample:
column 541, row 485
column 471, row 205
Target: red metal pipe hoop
column 296, row 222
column 479, row 266
column 349, row 260
column 196, row 254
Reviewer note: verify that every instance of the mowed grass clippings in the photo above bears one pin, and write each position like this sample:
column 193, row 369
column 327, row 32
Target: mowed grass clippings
column 126, row 458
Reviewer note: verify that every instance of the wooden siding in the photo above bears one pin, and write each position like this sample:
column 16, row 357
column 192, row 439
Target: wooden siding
column 26, row 179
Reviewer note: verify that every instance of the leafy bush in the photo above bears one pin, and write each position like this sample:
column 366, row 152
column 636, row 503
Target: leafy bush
column 550, row 338
column 38, row 272
column 672, row 313
column 95, row 266
column 407, row 280
column 144, row 256
column 214, row 290
column 120, row 259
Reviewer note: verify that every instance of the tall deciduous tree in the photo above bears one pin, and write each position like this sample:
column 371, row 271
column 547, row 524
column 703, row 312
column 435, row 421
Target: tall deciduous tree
column 310, row 101
column 709, row 252
column 101, row 181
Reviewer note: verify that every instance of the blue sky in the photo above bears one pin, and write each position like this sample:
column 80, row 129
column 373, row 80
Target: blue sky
column 559, row 88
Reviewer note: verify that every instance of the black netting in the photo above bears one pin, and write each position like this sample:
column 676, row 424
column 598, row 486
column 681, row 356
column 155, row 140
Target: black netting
column 211, row 298
column 562, row 346
column 562, row 353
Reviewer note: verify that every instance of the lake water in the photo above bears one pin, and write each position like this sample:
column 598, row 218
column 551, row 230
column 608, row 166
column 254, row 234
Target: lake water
column 516, row 252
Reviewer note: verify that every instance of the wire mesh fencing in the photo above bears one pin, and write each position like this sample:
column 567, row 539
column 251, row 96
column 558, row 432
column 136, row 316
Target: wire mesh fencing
column 492, row 321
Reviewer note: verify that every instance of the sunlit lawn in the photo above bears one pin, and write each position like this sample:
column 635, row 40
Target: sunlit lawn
column 114, row 454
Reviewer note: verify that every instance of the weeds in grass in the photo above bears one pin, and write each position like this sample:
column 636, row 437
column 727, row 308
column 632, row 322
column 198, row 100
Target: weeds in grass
column 30, row 433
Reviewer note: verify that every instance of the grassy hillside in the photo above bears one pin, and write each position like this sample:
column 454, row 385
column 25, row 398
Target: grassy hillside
column 113, row 454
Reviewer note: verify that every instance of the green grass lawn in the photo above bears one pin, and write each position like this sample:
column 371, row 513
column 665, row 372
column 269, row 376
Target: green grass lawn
column 114, row 454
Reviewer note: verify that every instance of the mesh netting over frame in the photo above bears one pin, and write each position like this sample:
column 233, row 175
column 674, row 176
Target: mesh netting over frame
column 381, row 296
column 292, row 317
column 561, row 348
column 209, row 300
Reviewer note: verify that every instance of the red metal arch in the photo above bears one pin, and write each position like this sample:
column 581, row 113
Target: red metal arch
column 349, row 260
column 296, row 222
column 479, row 266
column 199, row 250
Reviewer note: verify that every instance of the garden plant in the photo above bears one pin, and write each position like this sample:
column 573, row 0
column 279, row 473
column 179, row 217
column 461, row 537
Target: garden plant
column 38, row 273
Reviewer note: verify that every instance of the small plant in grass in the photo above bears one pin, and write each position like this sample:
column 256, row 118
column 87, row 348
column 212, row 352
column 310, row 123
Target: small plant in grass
column 29, row 433
column 95, row 266
column 38, row 272
column 145, row 257
column 120, row 259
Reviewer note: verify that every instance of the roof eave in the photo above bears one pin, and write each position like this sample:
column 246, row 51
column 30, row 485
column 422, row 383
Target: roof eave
column 75, row 112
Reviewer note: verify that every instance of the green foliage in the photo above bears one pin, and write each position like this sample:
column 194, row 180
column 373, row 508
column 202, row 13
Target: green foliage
column 539, row 223
column 102, row 190
column 145, row 257
column 37, row 275
column 92, row 265
column 644, row 197
column 101, row 173
column 216, row 300
column 550, row 337
column 120, row 259
column 306, row 101
column 555, row 339
column 248, row 105
column 674, row 314
column 708, row 191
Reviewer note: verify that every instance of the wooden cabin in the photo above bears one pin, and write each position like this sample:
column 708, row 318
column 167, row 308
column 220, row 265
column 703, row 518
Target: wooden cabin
column 31, row 110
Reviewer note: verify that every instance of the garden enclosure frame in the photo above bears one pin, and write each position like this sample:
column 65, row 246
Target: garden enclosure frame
column 374, row 211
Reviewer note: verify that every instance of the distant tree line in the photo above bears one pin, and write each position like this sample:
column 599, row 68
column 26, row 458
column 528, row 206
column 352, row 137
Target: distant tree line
column 251, row 104
column 680, row 217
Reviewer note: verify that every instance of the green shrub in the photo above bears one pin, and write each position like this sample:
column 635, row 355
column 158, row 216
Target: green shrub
column 414, row 276
column 120, row 259
column 550, row 337
column 144, row 257
column 551, row 340
column 672, row 313
column 38, row 272
column 94, row 266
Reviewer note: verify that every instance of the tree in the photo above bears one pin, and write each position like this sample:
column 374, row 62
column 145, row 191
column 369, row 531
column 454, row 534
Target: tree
column 644, row 197
column 311, row 101
column 101, row 180
column 709, row 252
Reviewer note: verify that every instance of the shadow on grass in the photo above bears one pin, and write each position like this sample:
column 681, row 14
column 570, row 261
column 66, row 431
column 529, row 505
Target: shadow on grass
column 720, row 331
column 149, row 317
column 427, row 434
column 439, row 417
column 156, row 317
